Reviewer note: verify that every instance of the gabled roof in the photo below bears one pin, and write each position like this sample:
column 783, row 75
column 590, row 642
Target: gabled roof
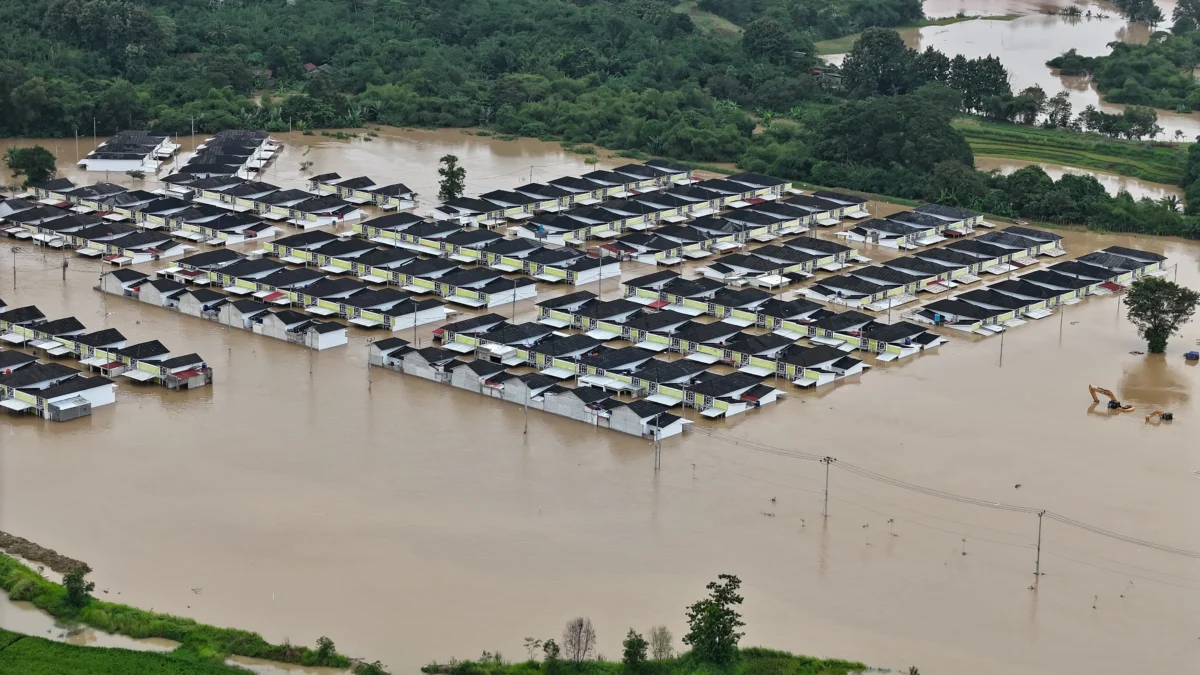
column 24, row 314
column 290, row 317
column 306, row 239
column 100, row 338
column 144, row 350
column 388, row 345
column 654, row 278
column 844, row 320
column 695, row 331
column 484, row 368
column 475, row 324
column 181, row 361
column 758, row 344
column 569, row 344
column 726, row 384
column 247, row 306
column 10, row 359
column 249, row 266
column 517, row 333
column 611, row 359
column 37, row 372
column 165, row 286
column 807, row 357
column 646, row 409
column 73, row 386
column 892, row 332
column 210, row 259
column 657, row 322
column 658, row 370
column 206, row 296
column 60, row 326
column 588, row 395
column 568, row 299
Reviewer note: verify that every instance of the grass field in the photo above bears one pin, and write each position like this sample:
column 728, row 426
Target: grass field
column 751, row 661
column 707, row 22
column 29, row 655
column 1157, row 162
column 846, row 42
column 198, row 642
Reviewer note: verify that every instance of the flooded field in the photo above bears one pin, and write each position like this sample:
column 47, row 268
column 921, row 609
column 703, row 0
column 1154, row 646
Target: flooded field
column 412, row 522
column 1026, row 43
column 1112, row 182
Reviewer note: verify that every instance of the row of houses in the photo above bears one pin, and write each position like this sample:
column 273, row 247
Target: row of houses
column 88, row 234
column 131, row 150
column 364, row 190
column 537, row 391
column 300, row 208
column 1034, row 295
column 254, row 314
column 236, row 152
column 631, row 371
column 896, row 282
column 308, row 289
column 442, row 276
column 926, row 225
column 660, row 326
column 58, row 392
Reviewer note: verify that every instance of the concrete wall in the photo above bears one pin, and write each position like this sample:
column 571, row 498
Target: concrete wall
column 97, row 397
column 626, row 421
column 190, row 306
column 110, row 284
column 568, row 405
column 150, row 295
column 272, row 327
column 321, row 341
column 415, row 364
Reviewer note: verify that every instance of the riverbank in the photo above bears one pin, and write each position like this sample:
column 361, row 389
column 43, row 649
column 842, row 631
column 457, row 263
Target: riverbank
column 197, row 642
column 751, row 661
column 845, row 43
column 1155, row 162
column 30, row 655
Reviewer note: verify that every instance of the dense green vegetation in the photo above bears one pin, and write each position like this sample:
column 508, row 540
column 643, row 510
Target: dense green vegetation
column 713, row 635
column 1158, row 307
column 198, row 642
column 30, row 655
column 751, row 661
column 1158, row 162
column 822, row 19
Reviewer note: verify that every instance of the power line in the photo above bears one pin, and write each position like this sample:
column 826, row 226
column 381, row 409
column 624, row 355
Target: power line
column 950, row 496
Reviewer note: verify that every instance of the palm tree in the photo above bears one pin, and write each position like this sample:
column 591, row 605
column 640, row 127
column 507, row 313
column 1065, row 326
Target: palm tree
column 1169, row 202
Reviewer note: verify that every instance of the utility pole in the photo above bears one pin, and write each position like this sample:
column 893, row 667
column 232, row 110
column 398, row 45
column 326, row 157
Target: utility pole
column 826, row 461
column 309, row 333
column 526, row 432
column 369, row 341
column 95, row 136
column 1002, row 347
column 657, row 450
column 1037, row 565
column 514, row 301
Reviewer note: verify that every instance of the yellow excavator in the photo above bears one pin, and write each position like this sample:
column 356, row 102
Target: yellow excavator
column 1113, row 403
column 1161, row 415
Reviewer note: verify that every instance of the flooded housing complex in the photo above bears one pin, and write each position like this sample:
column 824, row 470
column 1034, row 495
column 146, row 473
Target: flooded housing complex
column 754, row 283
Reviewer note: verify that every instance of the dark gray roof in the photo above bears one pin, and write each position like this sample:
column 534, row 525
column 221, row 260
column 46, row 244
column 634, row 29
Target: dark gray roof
column 568, row 299
column 37, row 372
column 126, row 275
column 181, row 361
column 610, row 359
column 725, row 384
column 100, row 338
column 61, row 326
column 10, row 359
column 144, row 350
column 24, row 314
column 210, row 259
column 72, row 386
column 517, row 333
column 475, row 324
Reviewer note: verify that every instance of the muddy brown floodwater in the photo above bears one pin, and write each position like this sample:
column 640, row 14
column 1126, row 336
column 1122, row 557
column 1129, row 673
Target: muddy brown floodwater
column 413, row 522
column 1112, row 182
column 1027, row 42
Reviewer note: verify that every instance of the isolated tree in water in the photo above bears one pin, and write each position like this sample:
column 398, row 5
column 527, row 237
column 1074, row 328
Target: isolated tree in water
column 454, row 178
column 77, row 588
column 1158, row 308
column 36, row 164
column 713, row 622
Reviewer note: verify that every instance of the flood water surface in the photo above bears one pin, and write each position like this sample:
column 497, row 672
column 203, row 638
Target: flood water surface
column 1112, row 182
column 1025, row 43
column 411, row 522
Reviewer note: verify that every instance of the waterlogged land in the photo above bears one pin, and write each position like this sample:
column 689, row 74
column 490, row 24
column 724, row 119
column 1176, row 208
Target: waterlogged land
column 318, row 505
column 30, row 655
column 1153, row 162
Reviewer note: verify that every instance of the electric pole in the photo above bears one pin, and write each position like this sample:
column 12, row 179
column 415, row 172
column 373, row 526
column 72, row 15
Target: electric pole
column 1037, row 565
column 657, row 450
column 826, row 461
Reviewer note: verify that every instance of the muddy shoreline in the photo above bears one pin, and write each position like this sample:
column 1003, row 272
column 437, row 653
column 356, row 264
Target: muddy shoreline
column 23, row 548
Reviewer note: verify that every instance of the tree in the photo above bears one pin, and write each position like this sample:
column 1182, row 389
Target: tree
column 634, row 653
column 77, row 588
column 578, row 640
column 768, row 40
column 1158, row 308
column 879, row 63
column 713, row 622
column 325, row 650
column 136, row 174
column 551, row 650
column 532, row 645
column 454, row 178
column 37, row 164
column 660, row 643
column 1058, row 111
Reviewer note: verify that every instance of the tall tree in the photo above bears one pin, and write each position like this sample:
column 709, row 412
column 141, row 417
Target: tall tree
column 660, row 643
column 454, row 178
column 1158, row 308
column 37, row 164
column 713, row 622
column 579, row 640
column 879, row 63
column 633, row 653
